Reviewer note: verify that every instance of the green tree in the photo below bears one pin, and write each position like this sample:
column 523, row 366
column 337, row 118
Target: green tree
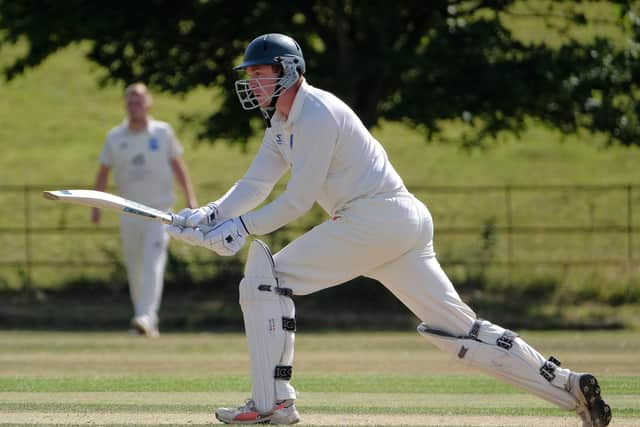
column 415, row 61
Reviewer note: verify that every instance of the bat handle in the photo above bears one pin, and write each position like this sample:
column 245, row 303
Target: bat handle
column 178, row 220
column 181, row 222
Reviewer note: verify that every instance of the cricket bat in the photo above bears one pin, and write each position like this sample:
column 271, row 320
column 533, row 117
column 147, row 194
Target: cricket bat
column 100, row 199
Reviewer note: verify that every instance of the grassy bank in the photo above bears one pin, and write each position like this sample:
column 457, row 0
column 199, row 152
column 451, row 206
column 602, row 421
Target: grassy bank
column 56, row 118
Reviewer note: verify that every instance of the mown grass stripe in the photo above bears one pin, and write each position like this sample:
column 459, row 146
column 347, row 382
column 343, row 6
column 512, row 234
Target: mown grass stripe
column 323, row 409
column 366, row 383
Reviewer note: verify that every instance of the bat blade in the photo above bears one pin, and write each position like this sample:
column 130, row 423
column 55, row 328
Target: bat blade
column 100, row 199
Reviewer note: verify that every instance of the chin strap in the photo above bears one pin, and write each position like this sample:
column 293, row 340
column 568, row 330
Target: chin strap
column 268, row 112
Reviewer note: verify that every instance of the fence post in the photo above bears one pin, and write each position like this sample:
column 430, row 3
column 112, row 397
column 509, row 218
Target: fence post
column 27, row 238
column 629, row 224
column 507, row 197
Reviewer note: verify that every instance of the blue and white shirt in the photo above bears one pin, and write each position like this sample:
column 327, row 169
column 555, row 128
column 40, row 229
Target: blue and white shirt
column 141, row 162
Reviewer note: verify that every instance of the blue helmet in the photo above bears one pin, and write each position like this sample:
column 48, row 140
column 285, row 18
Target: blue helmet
column 271, row 49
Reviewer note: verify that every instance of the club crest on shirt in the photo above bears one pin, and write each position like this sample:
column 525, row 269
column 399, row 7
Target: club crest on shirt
column 279, row 139
column 123, row 145
column 153, row 143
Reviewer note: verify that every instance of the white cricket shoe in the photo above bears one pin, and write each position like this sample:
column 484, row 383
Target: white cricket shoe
column 144, row 325
column 593, row 410
column 283, row 413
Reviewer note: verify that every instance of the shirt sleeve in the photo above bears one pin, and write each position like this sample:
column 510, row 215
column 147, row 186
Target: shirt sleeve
column 106, row 157
column 175, row 148
column 254, row 187
column 314, row 142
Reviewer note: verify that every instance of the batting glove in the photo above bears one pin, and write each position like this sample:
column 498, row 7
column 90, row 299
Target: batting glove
column 205, row 215
column 190, row 235
column 227, row 238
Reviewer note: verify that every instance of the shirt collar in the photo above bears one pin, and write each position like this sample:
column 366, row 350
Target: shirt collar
column 125, row 123
column 296, row 107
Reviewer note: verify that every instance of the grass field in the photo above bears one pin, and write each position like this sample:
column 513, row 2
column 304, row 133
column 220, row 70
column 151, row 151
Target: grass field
column 342, row 379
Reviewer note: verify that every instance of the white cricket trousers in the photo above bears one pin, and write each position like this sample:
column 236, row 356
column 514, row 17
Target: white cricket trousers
column 389, row 239
column 144, row 248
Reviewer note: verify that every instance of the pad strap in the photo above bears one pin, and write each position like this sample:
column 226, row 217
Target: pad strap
column 506, row 340
column 283, row 372
column 548, row 369
column 289, row 324
column 475, row 329
column 285, row 292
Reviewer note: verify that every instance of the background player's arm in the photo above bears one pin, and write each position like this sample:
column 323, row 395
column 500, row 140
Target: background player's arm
column 101, row 185
column 182, row 175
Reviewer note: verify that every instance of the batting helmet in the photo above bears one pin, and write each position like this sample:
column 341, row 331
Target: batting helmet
column 271, row 49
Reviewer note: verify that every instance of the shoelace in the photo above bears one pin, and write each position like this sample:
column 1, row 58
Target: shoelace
column 249, row 405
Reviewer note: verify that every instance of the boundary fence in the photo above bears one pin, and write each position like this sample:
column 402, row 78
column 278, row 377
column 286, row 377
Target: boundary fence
column 515, row 210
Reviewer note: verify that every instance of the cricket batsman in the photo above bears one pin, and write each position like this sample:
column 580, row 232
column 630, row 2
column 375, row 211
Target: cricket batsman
column 376, row 228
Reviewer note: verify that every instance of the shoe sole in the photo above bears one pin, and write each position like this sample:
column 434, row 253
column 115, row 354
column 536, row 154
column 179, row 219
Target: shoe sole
column 598, row 409
column 138, row 329
column 263, row 422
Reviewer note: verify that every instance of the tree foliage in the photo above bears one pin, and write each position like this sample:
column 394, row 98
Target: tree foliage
column 416, row 61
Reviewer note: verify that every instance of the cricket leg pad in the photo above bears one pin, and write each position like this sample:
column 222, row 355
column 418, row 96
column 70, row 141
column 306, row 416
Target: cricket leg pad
column 503, row 355
column 269, row 322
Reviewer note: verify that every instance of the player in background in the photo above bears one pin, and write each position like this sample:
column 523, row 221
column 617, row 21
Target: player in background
column 144, row 155
column 376, row 228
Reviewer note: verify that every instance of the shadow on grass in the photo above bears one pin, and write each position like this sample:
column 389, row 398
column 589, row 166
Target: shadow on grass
column 362, row 304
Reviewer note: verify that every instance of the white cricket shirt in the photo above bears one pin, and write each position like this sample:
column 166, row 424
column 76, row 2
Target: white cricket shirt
column 333, row 159
column 141, row 162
